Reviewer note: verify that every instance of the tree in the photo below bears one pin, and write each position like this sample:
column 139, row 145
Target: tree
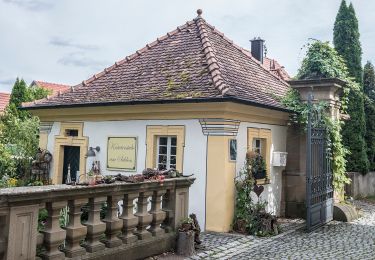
column 19, row 93
column 369, row 80
column 322, row 61
column 19, row 131
column 346, row 40
column 347, row 44
column 369, row 90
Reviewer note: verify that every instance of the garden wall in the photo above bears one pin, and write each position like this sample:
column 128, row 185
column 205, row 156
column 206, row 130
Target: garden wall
column 361, row 185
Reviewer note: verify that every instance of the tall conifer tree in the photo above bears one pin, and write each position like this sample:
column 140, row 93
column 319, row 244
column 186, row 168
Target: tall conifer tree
column 347, row 44
column 346, row 40
column 369, row 89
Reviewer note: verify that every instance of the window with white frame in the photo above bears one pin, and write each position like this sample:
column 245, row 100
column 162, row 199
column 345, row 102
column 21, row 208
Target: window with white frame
column 166, row 152
column 257, row 145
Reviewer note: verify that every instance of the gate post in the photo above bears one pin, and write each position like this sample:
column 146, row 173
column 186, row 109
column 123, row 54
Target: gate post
column 294, row 177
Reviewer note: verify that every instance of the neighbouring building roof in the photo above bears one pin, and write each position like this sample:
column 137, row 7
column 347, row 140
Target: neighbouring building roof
column 193, row 62
column 55, row 88
column 276, row 68
column 4, row 101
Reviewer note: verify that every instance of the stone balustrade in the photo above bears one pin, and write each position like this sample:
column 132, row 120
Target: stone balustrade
column 140, row 220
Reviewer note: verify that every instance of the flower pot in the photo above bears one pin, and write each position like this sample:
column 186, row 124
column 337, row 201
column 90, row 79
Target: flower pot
column 92, row 180
column 185, row 243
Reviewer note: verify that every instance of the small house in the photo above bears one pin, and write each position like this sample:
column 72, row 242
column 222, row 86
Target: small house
column 192, row 100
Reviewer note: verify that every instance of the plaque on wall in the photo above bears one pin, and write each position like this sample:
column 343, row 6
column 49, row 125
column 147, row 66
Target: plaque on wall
column 122, row 153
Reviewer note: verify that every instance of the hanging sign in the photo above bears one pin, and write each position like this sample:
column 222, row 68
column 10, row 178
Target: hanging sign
column 122, row 153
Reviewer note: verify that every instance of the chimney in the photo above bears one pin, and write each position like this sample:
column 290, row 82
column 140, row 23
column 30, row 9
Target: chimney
column 257, row 49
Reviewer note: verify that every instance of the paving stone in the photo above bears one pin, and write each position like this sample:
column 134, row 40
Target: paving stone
column 336, row 240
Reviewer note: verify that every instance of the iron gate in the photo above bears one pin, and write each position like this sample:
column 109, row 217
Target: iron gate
column 319, row 189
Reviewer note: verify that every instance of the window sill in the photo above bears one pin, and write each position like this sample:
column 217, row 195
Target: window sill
column 263, row 181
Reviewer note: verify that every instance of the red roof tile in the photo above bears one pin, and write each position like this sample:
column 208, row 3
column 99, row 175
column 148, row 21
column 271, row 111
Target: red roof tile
column 4, row 101
column 195, row 61
column 276, row 68
column 55, row 88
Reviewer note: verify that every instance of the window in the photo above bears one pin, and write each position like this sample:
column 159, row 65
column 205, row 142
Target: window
column 167, row 152
column 233, row 149
column 168, row 141
column 257, row 145
column 259, row 140
column 71, row 132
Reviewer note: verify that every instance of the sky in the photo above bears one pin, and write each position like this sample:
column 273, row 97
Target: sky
column 67, row 41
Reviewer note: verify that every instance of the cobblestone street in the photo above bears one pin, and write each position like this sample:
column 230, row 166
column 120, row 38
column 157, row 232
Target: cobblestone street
column 336, row 240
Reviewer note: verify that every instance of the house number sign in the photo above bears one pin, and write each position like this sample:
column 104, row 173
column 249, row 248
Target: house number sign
column 122, row 153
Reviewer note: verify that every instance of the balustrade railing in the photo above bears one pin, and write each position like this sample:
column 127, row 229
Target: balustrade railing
column 138, row 220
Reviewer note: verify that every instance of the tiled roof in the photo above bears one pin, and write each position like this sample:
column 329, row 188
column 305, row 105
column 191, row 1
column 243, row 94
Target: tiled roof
column 4, row 101
column 276, row 68
column 195, row 61
column 55, row 88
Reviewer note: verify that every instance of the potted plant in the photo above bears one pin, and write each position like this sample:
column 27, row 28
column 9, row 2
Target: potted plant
column 257, row 165
column 185, row 240
column 91, row 177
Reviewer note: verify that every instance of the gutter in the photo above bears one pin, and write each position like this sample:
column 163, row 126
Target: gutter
column 171, row 101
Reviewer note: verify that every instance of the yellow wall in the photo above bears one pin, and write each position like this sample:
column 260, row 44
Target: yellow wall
column 220, row 185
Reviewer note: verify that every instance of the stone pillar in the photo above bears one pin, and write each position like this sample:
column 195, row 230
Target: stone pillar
column 113, row 223
column 54, row 235
column 294, row 177
column 181, row 205
column 158, row 215
column 22, row 232
column 95, row 227
column 144, row 218
column 130, row 221
column 168, row 208
column 75, row 231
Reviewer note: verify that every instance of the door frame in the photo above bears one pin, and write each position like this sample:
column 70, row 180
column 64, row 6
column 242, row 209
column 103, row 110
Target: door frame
column 62, row 140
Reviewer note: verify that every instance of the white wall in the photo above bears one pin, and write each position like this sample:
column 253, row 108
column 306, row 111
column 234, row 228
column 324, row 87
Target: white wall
column 272, row 191
column 194, row 152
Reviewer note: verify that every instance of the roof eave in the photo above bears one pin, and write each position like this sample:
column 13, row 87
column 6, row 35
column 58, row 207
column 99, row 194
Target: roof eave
column 170, row 101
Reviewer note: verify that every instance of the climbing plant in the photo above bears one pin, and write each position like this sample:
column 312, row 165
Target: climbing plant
column 322, row 61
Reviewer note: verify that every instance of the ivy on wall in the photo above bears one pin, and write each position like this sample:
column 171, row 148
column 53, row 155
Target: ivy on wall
column 322, row 61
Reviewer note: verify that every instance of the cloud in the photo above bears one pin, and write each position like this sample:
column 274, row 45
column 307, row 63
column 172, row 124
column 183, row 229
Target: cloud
column 33, row 5
column 78, row 59
column 7, row 81
column 60, row 42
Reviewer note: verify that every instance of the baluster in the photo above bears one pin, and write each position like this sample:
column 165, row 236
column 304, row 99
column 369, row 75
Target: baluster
column 130, row 221
column 54, row 235
column 144, row 218
column 75, row 231
column 113, row 223
column 95, row 227
column 158, row 215
column 167, row 224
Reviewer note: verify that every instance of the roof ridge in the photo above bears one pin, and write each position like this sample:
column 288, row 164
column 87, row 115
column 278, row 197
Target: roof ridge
column 52, row 83
column 213, row 65
column 244, row 51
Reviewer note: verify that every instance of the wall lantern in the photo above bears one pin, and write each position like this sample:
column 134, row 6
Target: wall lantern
column 91, row 152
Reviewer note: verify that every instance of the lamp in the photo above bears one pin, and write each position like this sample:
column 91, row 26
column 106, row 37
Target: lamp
column 91, row 152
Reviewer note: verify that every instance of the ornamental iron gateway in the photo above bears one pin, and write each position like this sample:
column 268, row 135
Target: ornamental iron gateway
column 319, row 189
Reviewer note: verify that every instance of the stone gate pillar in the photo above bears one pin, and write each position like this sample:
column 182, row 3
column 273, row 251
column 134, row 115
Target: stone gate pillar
column 294, row 177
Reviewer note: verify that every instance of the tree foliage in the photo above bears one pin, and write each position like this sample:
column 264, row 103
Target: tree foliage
column 347, row 44
column 19, row 131
column 346, row 40
column 369, row 90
